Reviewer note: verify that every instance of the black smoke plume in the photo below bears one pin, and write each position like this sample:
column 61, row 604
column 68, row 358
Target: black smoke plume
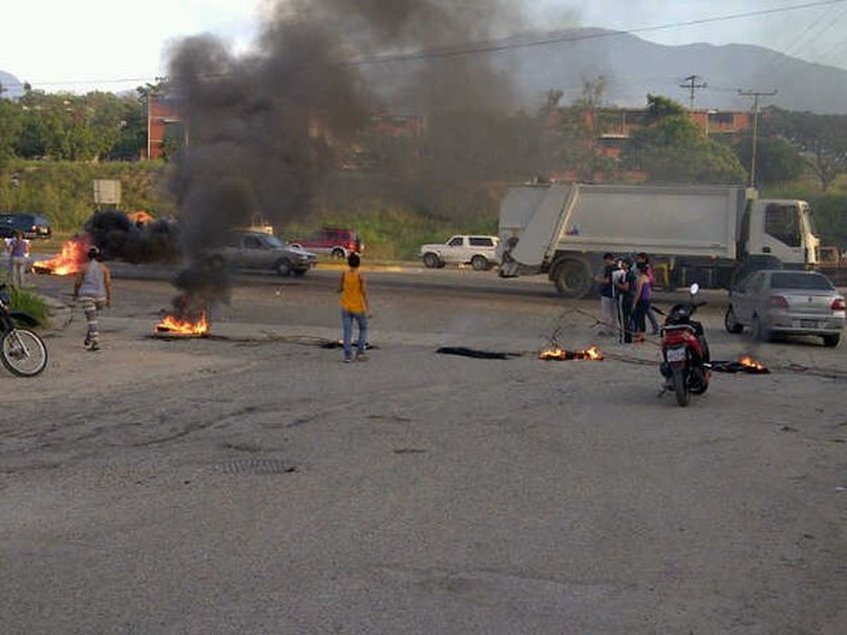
column 265, row 130
column 119, row 238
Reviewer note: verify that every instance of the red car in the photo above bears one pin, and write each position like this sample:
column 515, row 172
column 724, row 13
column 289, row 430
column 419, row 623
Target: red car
column 338, row 243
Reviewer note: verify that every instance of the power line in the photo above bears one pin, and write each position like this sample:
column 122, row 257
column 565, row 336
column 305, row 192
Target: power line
column 494, row 46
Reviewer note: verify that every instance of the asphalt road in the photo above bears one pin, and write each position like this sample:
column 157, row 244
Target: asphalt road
column 252, row 483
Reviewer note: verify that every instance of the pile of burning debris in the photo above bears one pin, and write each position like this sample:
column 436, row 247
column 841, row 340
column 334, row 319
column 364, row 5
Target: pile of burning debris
column 67, row 263
column 556, row 353
column 744, row 364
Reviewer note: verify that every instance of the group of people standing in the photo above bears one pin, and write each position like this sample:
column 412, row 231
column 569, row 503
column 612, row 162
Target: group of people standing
column 626, row 290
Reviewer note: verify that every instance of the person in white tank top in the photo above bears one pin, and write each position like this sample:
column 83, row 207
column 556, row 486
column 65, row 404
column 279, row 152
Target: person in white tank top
column 93, row 287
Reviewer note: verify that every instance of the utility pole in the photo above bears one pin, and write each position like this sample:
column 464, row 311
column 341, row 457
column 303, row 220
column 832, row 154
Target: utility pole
column 755, row 94
column 692, row 85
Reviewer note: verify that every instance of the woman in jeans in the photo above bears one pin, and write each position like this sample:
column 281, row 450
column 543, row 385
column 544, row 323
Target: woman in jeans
column 18, row 258
column 641, row 301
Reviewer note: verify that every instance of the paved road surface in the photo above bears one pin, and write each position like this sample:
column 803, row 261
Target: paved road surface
column 252, row 483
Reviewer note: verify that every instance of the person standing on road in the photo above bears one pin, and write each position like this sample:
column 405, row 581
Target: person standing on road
column 18, row 258
column 93, row 287
column 624, row 281
column 641, row 301
column 354, row 306
column 651, row 315
column 607, row 295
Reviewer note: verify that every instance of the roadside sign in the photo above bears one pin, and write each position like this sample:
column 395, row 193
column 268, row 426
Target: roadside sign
column 107, row 192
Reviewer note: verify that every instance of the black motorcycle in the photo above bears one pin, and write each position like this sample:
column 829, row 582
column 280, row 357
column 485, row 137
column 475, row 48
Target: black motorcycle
column 685, row 353
column 22, row 351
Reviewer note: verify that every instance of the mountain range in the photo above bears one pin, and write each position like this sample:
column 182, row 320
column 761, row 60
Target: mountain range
column 12, row 86
column 634, row 67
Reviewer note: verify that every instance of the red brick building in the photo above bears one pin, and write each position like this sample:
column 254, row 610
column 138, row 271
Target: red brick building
column 163, row 123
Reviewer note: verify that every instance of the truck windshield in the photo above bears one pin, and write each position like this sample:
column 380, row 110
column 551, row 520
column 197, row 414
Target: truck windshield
column 783, row 223
column 272, row 241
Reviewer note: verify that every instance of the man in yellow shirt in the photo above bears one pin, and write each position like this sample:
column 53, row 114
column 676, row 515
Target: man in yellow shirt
column 354, row 306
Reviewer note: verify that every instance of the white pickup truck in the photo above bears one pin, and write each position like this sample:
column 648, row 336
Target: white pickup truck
column 479, row 251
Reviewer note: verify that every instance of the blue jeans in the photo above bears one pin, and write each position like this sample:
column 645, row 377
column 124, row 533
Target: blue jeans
column 347, row 323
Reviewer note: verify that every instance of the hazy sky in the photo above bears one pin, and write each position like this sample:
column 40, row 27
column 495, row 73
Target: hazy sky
column 80, row 45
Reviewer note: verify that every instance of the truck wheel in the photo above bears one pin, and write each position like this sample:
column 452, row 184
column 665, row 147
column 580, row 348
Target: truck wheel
column 430, row 261
column 572, row 279
column 337, row 253
column 730, row 323
column 479, row 263
column 831, row 341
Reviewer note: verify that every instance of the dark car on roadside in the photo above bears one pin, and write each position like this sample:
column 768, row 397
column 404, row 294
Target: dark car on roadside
column 32, row 225
column 784, row 302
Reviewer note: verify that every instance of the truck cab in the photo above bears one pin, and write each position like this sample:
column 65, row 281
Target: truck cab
column 782, row 229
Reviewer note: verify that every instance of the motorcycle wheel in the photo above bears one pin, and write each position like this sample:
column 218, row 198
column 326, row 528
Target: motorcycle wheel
column 23, row 353
column 680, row 386
column 700, row 383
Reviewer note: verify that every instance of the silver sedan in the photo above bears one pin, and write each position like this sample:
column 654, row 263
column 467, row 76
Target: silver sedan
column 786, row 302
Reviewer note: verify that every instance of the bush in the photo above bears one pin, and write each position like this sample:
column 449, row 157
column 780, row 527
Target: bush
column 29, row 303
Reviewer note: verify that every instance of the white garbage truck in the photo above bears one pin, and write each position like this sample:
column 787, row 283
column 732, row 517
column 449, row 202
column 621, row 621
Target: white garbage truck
column 705, row 233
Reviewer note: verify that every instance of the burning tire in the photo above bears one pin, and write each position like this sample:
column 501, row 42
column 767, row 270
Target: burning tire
column 23, row 352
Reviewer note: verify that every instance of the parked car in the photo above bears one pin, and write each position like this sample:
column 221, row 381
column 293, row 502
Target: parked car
column 338, row 243
column 32, row 225
column 479, row 251
column 787, row 302
column 257, row 250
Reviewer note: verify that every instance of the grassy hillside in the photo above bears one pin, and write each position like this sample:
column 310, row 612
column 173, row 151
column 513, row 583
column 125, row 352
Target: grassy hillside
column 64, row 191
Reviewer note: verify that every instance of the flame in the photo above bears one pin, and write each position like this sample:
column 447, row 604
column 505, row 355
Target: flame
column 173, row 324
column 748, row 362
column 557, row 353
column 74, row 253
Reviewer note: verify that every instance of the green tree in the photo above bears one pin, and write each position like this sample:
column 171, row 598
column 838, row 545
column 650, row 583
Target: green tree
column 570, row 136
column 673, row 148
column 10, row 127
column 821, row 140
column 777, row 161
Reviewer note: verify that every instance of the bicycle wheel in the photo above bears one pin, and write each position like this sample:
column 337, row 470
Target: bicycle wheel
column 23, row 352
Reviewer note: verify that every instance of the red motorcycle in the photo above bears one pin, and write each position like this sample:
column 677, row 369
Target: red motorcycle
column 685, row 353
